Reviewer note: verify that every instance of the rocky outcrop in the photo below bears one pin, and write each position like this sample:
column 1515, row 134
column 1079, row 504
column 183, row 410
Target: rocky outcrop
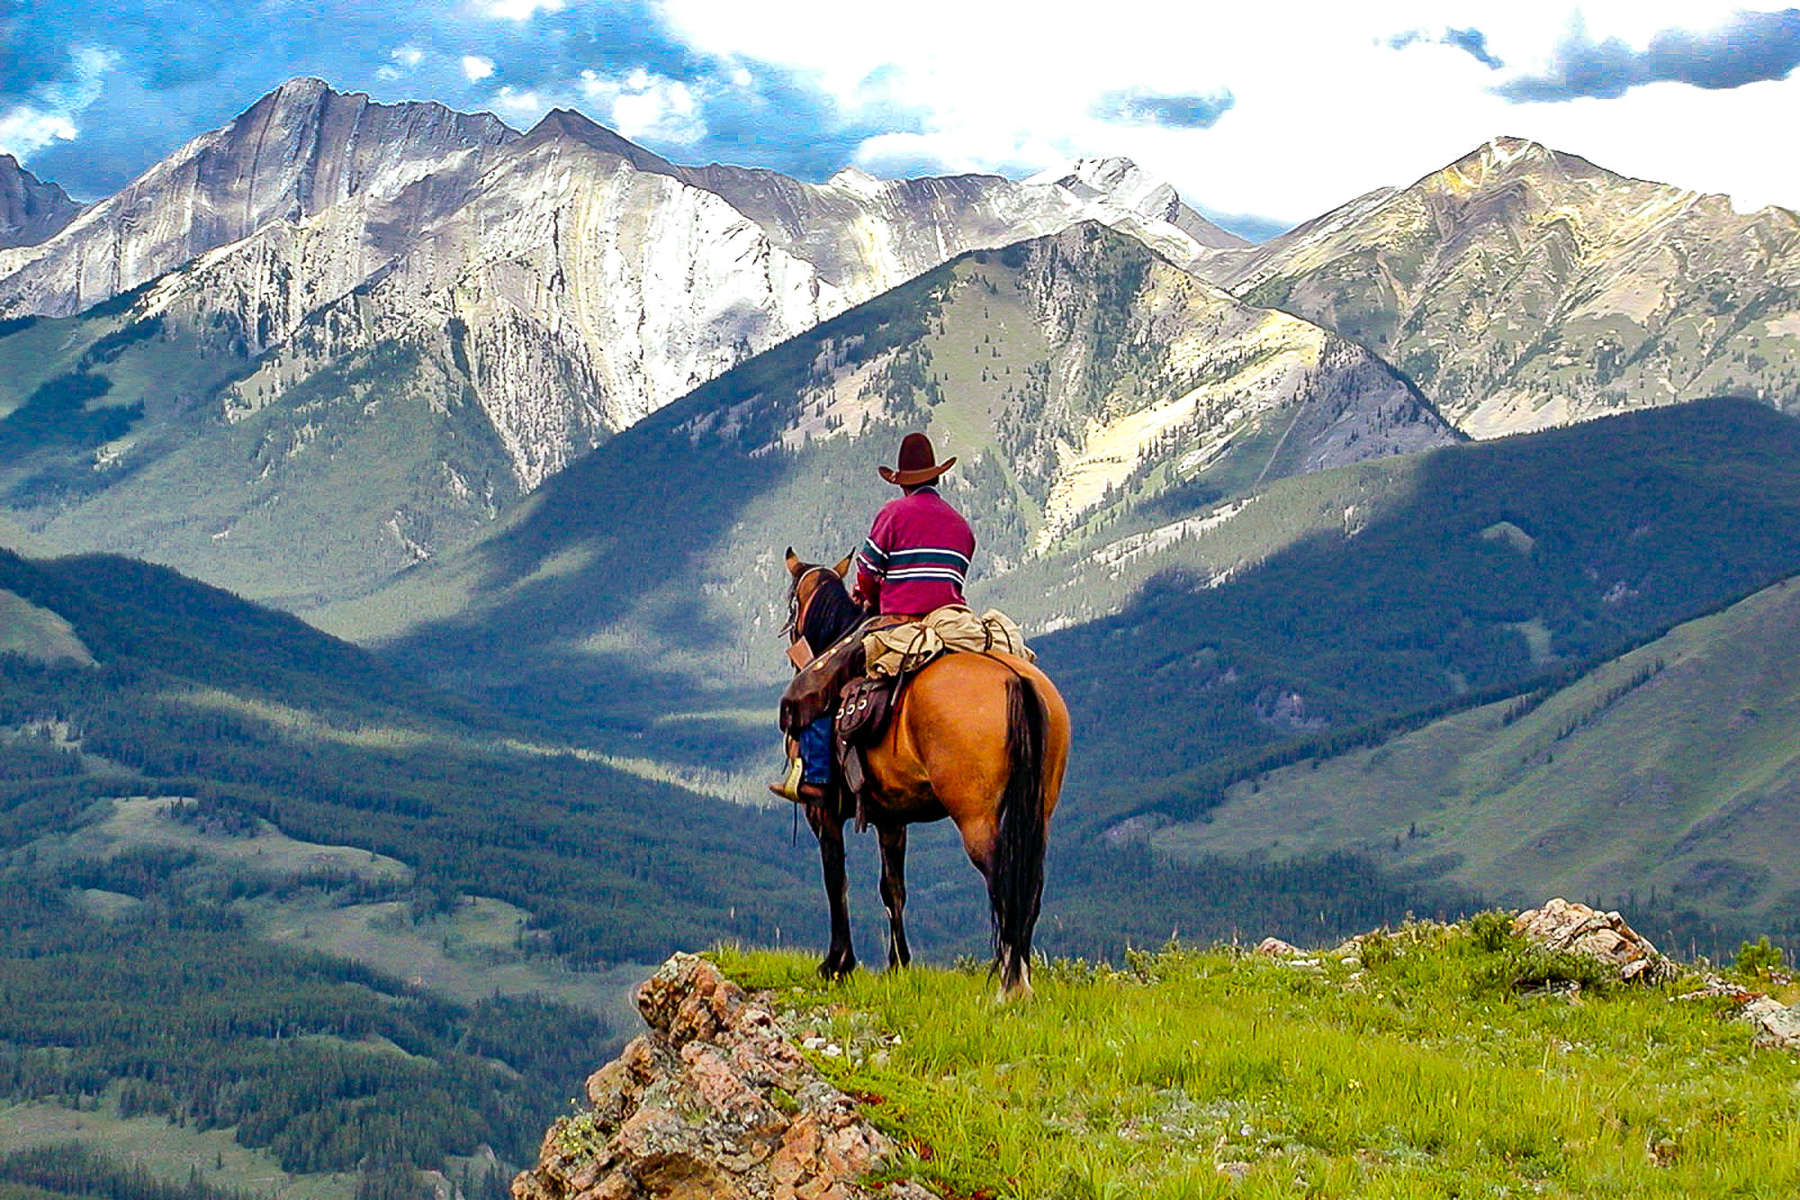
column 1562, row 926
column 714, row 1101
column 31, row 209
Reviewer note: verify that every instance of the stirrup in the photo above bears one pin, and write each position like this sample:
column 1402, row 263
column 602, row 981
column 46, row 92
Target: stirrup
column 789, row 787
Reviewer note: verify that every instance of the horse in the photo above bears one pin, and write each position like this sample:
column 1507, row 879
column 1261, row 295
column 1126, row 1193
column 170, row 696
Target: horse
column 982, row 739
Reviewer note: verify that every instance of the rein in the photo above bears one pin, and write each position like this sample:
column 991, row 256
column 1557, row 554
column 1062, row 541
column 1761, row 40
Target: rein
column 797, row 618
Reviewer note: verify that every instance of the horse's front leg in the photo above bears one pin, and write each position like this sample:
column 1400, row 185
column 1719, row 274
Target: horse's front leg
column 840, row 959
column 893, row 891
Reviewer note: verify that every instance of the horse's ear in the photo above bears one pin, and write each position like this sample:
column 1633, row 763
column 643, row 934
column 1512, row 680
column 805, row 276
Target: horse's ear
column 794, row 564
column 843, row 567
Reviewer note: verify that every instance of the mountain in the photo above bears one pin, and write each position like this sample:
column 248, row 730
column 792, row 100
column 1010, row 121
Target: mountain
column 1520, row 287
column 1084, row 382
column 401, row 319
column 1670, row 771
column 299, row 151
column 31, row 209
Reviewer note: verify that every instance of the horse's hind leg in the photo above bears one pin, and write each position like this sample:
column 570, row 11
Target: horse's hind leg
column 893, row 891
column 840, row 959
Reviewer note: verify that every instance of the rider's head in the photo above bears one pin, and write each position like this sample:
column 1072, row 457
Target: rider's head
column 918, row 466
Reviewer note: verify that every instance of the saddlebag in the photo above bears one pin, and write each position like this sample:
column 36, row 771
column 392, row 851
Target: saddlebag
column 864, row 710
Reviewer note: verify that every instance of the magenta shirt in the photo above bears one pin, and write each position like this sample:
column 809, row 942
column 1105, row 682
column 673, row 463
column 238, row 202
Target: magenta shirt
column 916, row 557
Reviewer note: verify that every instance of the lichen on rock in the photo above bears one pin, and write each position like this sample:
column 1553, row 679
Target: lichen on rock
column 1604, row 936
column 714, row 1100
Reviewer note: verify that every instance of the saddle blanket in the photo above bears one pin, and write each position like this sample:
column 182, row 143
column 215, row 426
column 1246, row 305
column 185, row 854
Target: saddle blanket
column 901, row 649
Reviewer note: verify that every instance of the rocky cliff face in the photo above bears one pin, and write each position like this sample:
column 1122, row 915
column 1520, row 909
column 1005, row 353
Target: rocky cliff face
column 31, row 209
column 583, row 281
column 297, row 152
column 714, row 1101
column 1158, row 379
column 1520, row 288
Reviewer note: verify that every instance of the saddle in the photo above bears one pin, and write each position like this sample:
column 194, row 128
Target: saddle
column 859, row 679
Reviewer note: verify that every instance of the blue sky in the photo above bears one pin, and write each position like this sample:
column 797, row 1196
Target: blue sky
column 1269, row 116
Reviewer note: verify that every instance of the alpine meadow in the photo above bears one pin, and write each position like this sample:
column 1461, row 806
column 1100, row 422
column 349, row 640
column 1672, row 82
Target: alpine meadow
column 422, row 498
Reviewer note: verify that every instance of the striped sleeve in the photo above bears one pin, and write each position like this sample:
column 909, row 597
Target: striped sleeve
column 873, row 558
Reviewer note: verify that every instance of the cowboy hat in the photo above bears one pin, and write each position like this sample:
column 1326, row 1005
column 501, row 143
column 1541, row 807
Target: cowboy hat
column 918, row 463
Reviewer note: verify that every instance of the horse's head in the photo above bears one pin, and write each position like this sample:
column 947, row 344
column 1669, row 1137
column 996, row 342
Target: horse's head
column 819, row 606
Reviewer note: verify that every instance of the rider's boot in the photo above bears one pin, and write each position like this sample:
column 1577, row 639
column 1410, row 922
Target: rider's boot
column 794, row 787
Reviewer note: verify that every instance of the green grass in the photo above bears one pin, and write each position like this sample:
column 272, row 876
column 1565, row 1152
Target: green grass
column 467, row 955
column 1427, row 1076
column 167, row 1151
column 37, row 633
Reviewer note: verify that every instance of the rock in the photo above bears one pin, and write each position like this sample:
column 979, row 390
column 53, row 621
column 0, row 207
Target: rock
column 1562, row 926
column 1274, row 947
column 714, row 1100
column 1777, row 1025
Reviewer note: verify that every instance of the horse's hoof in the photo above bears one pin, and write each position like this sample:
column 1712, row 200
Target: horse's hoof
column 836, row 971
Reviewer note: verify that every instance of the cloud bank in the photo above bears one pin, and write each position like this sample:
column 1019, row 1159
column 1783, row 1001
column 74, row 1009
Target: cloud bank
column 1247, row 110
column 1135, row 106
column 1752, row 47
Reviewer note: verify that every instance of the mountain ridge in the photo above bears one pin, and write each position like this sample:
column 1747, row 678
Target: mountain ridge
column 31, row 209
column 1522, row 287
column 442, row 339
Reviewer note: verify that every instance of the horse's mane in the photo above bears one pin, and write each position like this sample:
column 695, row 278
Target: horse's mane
column 831, row 613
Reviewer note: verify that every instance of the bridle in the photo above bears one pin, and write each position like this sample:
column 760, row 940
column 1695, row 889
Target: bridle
column 795, row 629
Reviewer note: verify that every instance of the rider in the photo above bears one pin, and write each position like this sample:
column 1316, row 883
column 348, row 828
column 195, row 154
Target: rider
column 914, row 561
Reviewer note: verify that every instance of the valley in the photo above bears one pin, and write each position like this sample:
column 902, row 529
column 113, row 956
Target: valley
column 392, row 515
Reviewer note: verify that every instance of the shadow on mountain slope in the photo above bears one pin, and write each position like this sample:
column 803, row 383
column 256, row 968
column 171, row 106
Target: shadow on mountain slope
column 1509, row 564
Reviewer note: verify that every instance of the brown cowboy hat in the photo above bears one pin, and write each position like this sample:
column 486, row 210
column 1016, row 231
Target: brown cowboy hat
column 918, row 463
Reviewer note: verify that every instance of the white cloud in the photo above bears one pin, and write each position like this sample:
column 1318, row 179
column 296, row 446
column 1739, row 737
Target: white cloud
column 25, row 130
column 523, row 105
column 408, row 56
column 519, row 10
column 1325, row 107
column 50, row 116
column 643, row 106
column 476, row 68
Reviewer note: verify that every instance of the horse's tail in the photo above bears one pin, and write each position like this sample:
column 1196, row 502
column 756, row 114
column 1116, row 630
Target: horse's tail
column 1016, row 878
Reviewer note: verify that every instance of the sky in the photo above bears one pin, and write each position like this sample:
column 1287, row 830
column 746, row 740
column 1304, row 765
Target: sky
column 1262, row 115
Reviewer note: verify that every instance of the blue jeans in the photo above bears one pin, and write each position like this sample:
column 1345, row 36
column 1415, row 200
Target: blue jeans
column 815, row 752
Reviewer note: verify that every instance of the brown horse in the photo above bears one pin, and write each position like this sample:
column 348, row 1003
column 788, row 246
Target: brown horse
column 979, row 738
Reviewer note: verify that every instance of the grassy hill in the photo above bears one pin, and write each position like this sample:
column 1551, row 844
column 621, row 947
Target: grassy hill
column 1664, row 777
column 1471, row 573
column 115, row 435
column 257, row 881
column 638, row 592
column 1439, row 1067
